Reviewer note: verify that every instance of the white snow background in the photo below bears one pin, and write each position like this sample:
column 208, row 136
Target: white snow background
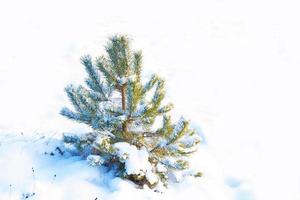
column 232, row 67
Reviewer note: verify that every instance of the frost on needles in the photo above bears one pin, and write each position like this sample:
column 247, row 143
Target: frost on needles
column 123, row 113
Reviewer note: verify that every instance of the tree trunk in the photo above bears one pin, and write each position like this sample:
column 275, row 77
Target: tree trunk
column 123, row 93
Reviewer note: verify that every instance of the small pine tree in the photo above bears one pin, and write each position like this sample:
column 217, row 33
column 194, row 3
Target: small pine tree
column 122, row 111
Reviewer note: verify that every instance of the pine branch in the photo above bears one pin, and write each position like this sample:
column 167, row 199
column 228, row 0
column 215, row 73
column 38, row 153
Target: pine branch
column 137, row 65
column 180, row 129
column 104, row 67
column 149, row 85
column 94, row 78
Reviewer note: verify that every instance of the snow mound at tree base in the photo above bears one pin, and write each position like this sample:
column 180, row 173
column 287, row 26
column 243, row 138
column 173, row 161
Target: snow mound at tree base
column 34, row 168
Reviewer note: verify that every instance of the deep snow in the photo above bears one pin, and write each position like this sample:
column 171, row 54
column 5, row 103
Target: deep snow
column 231, row 66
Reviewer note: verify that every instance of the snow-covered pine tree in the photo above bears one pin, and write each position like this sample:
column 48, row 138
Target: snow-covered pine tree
column 122, row 110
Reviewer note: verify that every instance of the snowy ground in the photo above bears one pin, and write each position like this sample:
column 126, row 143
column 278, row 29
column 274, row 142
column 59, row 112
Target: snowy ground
column 31, row 166
column 231, row 66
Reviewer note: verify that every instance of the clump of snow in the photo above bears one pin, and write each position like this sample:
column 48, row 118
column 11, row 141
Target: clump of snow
column 136, row 161
column 95, row 160
column 161, row 168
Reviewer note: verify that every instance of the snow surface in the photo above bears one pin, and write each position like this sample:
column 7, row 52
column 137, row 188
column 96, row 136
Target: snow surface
column 33, row 165
column 231, row 66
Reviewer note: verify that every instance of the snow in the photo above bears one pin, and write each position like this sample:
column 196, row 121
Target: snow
column 95, row 160
column 28, row 167
column 161, row 168
column 232, row 67
column 136, row 160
